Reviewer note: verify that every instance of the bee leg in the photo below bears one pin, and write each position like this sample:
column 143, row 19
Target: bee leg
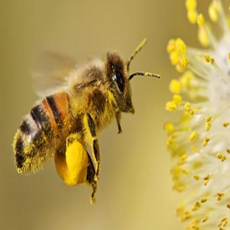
column 118, row 119
column 95, row 147
column 90, row 179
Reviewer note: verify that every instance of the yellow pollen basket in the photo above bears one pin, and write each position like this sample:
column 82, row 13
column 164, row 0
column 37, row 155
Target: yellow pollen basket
column 72, row 168
column 77, row 162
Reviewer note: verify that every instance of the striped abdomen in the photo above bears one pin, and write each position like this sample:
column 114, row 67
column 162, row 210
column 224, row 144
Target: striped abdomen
column 42, row 131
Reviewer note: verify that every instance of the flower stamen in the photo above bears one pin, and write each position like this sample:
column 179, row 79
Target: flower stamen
column 200, row 140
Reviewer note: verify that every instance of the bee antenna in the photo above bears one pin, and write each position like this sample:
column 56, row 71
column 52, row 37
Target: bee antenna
column 137, row 50
column 146, row 74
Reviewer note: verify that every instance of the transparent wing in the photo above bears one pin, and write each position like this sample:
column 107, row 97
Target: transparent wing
column 51, row 72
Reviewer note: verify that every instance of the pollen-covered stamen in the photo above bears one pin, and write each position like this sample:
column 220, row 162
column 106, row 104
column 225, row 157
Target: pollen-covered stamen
column 193, row 136
column 196, row 63
column 203, row 37
column 177, row 51
column 203, row 200
column 221, row 157
column 211, row 60
column 171, row 106
column 206, row 179
column 182, row 159
column 226, row 124
column 196, row 206
column 207, row 30
column 175, row 86
column 223, row 223
column 200, row 20
column 216, row 14
column 191, row 10
column 205, row 218
column 196, row 177
column 175, row 103
column 178, row 104
column 207, row 126
column 214, row 11
column 169, row 127
column 200, row 139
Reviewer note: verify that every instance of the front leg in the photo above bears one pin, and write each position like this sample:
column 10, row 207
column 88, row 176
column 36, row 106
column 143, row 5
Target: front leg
column 95, row 145
column 118, row 119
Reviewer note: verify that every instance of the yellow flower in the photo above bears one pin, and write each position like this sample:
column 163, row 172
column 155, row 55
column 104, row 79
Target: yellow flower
column 200, row 140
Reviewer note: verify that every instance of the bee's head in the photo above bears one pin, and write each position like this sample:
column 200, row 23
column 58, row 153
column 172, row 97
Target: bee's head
column 120, row 87
column 118, row 74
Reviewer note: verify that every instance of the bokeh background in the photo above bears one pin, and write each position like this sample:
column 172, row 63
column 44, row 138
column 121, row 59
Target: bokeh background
column 135, row 188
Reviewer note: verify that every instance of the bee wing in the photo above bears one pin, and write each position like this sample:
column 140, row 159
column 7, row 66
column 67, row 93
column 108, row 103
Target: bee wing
column 51, row 72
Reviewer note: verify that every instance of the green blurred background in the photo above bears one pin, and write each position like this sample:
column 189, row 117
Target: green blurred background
column 135, row 188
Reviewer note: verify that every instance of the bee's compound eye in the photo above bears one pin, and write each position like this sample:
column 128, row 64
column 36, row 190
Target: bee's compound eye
column 119, row 79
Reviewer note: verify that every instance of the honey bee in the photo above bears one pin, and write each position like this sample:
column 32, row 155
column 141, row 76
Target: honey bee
column 65, row 122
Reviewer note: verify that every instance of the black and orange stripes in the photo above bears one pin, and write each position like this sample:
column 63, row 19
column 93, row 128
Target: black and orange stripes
column 40, row 129
column 55, row 112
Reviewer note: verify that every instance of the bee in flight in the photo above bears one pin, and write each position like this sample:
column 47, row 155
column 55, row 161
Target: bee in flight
column 65, row 122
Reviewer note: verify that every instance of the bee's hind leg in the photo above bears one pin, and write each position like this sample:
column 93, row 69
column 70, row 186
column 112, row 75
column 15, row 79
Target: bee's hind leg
column 95, row 145
column 74, row 164
column 90, row 179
